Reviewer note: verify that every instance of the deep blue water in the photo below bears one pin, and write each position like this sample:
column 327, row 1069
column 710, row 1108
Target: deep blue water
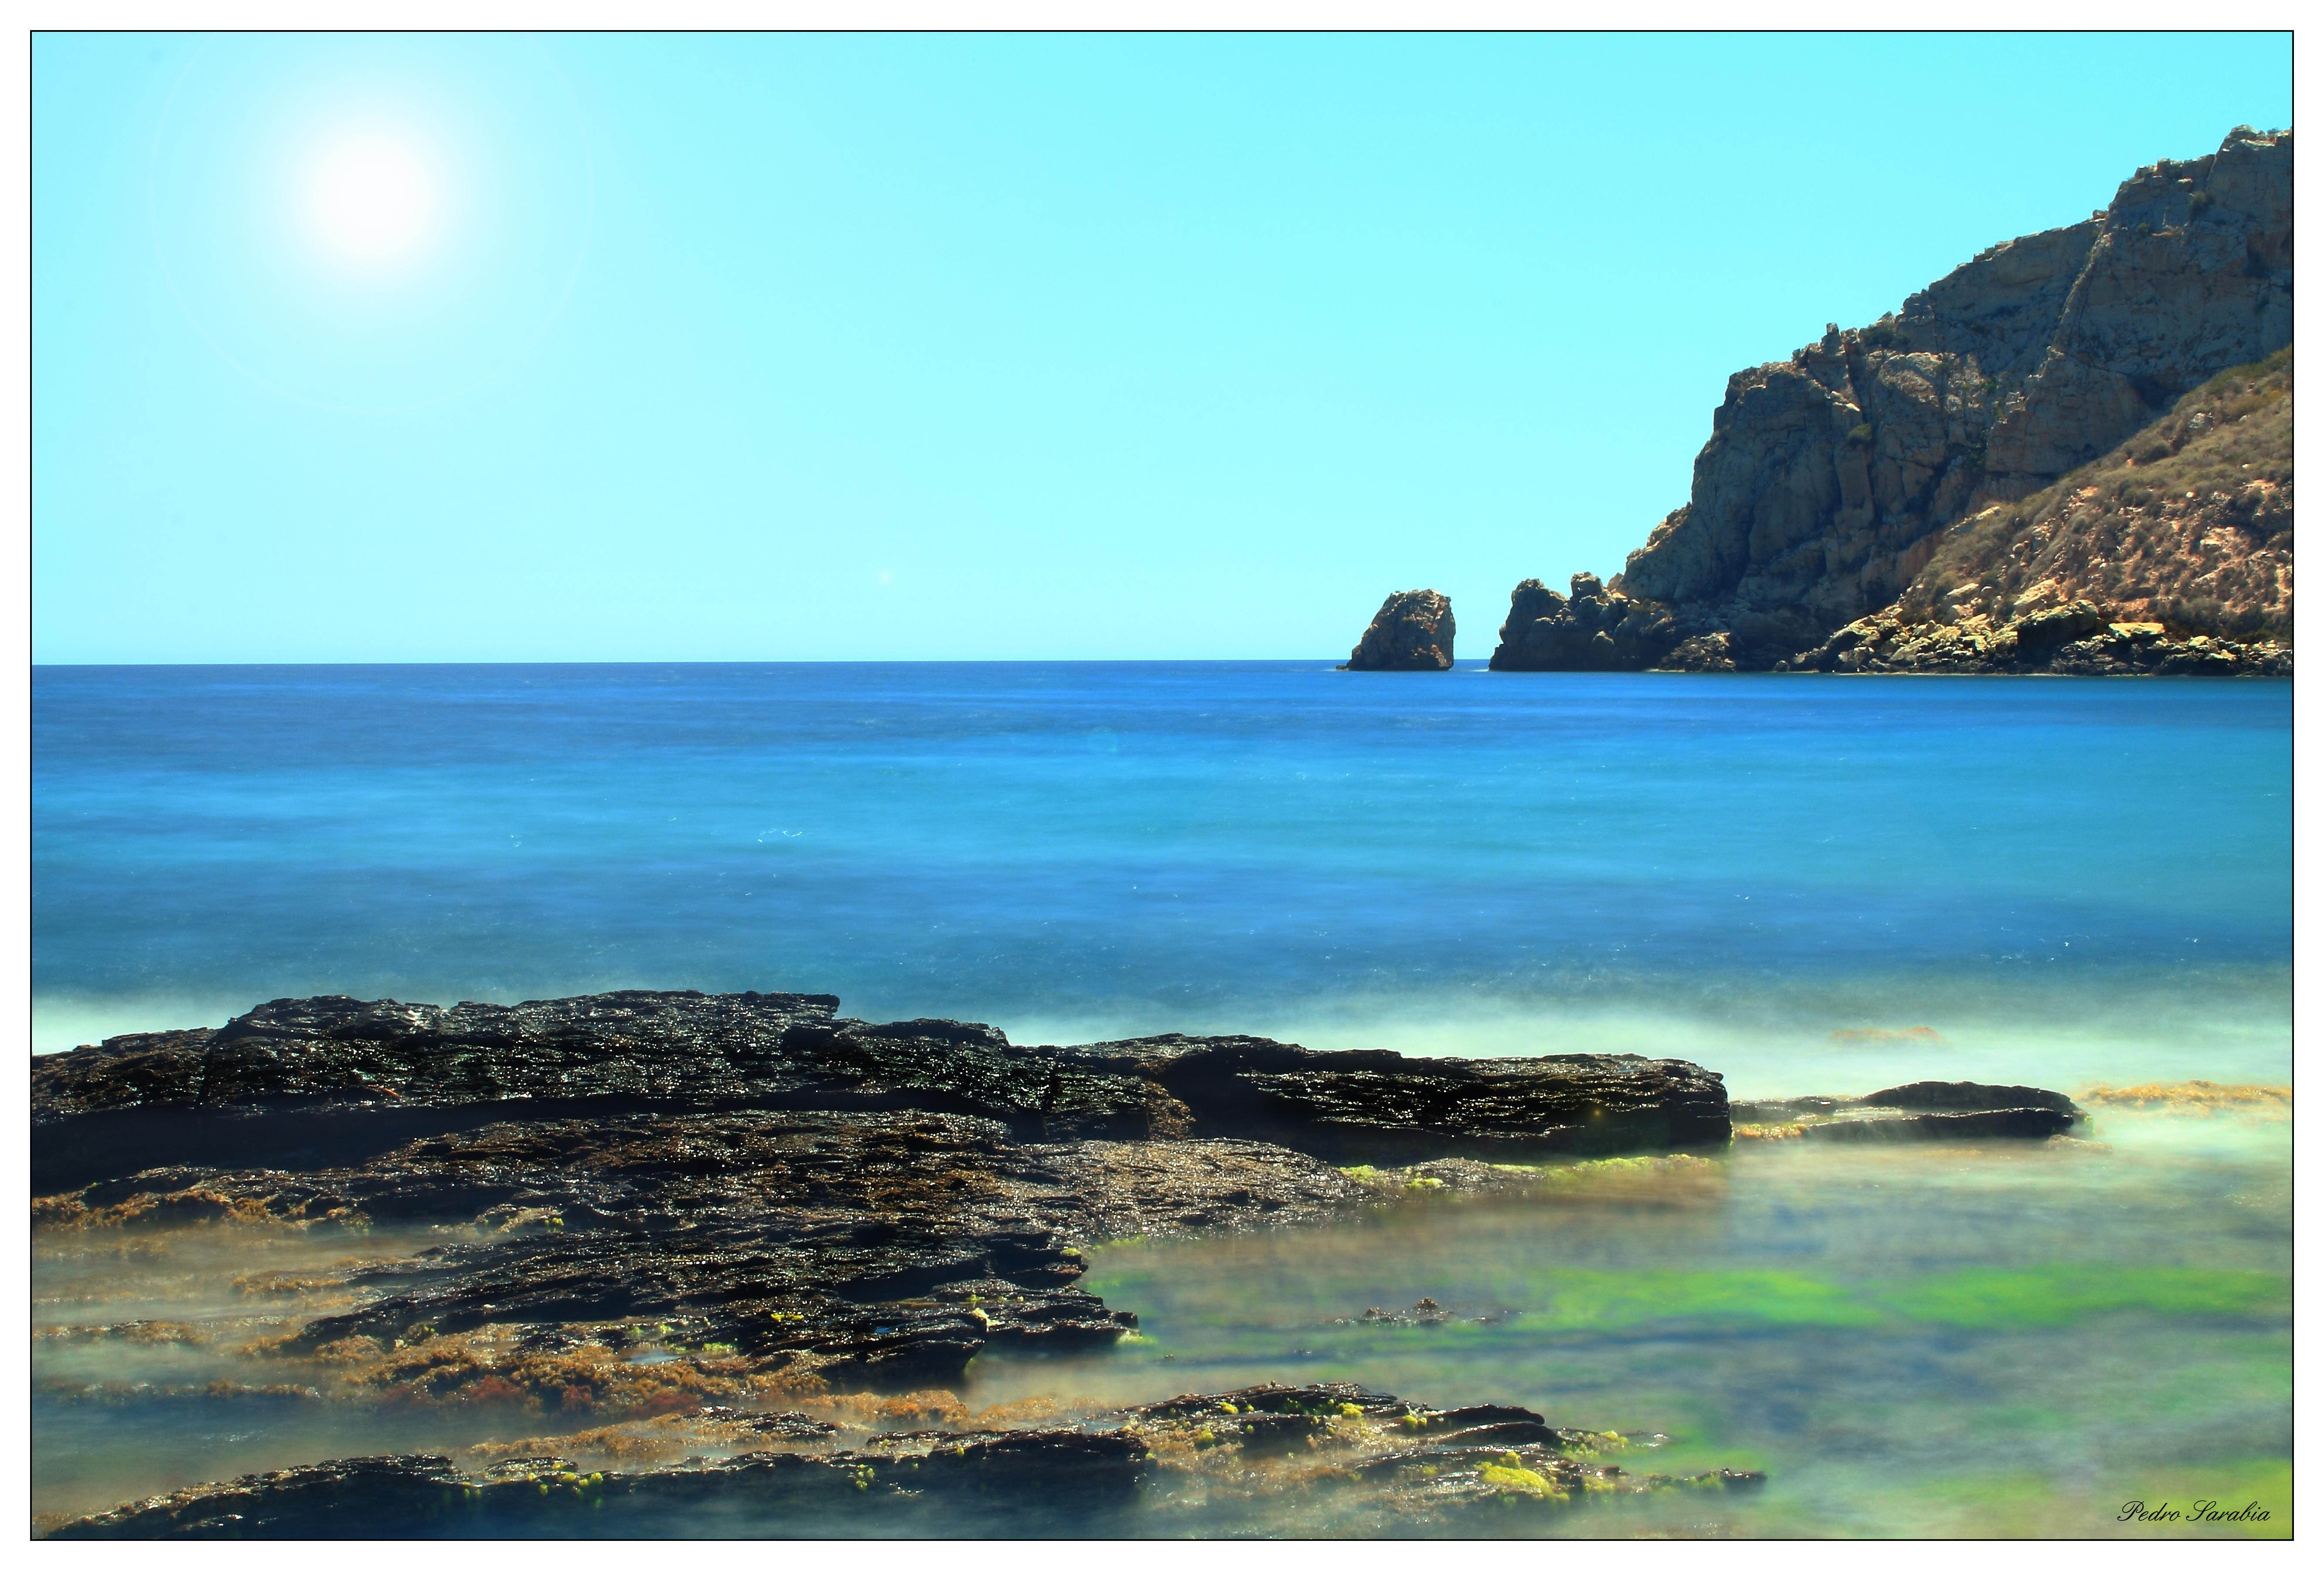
column 1467, row 862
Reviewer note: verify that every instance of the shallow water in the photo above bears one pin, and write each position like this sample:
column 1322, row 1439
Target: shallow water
column 2007, row 1339
column 1971, row 1340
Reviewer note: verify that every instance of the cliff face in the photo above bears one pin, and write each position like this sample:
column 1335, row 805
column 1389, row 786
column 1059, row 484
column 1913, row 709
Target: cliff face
column 1829, row 477
column 2171, row 554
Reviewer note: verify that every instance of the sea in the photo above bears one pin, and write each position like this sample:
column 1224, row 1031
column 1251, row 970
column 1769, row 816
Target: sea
column 2066, row 878
column 1808, row 884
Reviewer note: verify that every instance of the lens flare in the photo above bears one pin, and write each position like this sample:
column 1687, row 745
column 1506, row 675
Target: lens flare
column 375, row 200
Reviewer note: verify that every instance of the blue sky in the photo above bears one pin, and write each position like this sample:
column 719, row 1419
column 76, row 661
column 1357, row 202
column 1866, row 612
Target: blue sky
column 619, row 349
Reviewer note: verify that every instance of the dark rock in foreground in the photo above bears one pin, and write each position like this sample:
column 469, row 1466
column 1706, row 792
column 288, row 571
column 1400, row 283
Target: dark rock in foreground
column 736, row 1253
column 1321, row 1458
column 302, row 1083
column 1368, row 1106
column 813, row 1198
column 1413, row 631
column 1925, row 1110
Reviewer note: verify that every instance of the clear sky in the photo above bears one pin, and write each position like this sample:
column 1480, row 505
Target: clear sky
column 617, row 348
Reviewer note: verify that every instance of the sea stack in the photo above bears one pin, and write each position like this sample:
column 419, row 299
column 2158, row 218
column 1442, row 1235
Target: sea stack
column 1412, row 633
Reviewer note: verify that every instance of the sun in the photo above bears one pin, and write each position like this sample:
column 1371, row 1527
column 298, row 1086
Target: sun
column 374, row 197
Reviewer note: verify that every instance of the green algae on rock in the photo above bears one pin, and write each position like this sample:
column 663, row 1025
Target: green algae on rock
column 1331, row 1458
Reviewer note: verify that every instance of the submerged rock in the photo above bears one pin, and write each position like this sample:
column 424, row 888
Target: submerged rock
column 759, row 1249
column 1331, row 1458
column 1413, row 631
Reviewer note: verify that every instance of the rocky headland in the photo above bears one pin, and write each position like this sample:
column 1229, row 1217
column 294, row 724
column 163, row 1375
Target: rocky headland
column 2070, row 454
column 726, row 1212
column 1412, row 632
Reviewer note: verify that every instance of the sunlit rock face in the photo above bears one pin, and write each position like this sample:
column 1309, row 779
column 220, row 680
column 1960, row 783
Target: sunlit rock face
column 1830, row 478
column 1413, row 631
column 2170, row 556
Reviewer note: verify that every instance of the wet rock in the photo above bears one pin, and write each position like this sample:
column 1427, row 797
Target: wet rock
column 1412, row 632
column 1052, row 1482
column 1776, row 1111
column 861, row 1249
column 2002, row 1123
column 1924, row 1110
column 1330, row 1457
column 1515, row 1432
column 363, row 1497
column 1482, row 1413
column 1377, row 1106
column 1957, row 1095
column 1427, row 1312
column 301, row 1084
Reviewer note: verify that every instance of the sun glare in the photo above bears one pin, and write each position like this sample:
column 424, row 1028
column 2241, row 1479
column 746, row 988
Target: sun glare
column 375, row 200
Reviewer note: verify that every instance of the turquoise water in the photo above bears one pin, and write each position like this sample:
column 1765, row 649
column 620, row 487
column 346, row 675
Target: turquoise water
column 2090, row 872
column 2086, row 875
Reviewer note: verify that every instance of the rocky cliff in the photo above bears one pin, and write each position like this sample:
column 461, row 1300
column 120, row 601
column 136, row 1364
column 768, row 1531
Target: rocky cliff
column 1413, row 631
column 1830, row 478
column 2170, row 555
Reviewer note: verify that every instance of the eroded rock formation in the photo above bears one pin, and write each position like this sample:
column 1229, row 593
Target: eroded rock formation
column 816, row 1198
column 1412, row 632
column 324, row 1082
column 1830, row 478
column 1594, row 629
column 869, row 1249
column 2170, row 555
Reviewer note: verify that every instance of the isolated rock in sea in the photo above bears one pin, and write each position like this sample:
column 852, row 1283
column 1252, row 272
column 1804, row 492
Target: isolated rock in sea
column 1925, row 1110
column 1830, row 478
column 327, row 1082
column 1326, row 1458
column 1413, row 631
